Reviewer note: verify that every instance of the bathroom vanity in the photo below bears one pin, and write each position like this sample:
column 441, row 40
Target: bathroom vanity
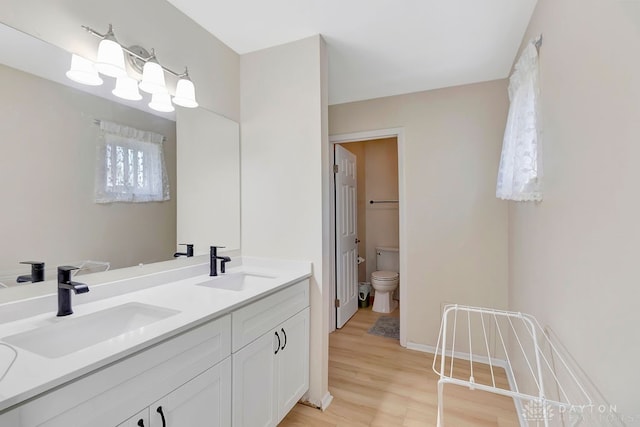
column 175, row 348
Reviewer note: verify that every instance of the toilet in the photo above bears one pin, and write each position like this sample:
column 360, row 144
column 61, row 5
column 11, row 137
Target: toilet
column 385, row 279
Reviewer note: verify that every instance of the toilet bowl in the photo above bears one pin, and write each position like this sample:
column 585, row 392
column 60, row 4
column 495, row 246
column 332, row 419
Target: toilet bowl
column 384, row 283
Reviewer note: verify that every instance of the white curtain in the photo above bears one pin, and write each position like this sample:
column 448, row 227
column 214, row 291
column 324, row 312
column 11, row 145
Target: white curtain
column 130, row 165
column 520, row 172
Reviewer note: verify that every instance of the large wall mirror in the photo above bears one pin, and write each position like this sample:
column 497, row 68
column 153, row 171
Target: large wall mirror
column 48, row 137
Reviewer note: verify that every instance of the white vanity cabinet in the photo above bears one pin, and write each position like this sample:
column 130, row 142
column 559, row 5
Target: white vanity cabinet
column 190, row 372
column 203, row 401
column 141, row 419
column 270, row 356
column 248, row 367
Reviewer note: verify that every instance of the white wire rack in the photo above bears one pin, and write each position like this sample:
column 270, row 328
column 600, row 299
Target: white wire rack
column 475, row 346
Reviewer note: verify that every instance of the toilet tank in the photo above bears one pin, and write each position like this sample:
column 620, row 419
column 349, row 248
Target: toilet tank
column 387, row 259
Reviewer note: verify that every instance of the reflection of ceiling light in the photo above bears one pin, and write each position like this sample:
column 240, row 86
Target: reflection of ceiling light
column 127, row 88
column 83, row 71
column 110, row 62
column 161, row 101
column 185, row 92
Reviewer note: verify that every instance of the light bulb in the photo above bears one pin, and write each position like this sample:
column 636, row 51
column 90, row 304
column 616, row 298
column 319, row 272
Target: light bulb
column 185, row 93
column 127, row 88
column 83, row 71
column 161, row 102
column 110, row 56
column 153, row 77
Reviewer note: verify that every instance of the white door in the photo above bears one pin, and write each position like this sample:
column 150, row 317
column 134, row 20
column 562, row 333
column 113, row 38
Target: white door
column 203, row 401
column 254, row 383
column 293, row 362
column 346, row 238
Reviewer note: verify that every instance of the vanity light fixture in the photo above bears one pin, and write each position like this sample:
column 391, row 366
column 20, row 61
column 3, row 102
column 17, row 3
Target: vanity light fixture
column 111, row 62
column 185, row 92
column 161, row 101
column 83, row 71
column 127, row 88
column 152, row 76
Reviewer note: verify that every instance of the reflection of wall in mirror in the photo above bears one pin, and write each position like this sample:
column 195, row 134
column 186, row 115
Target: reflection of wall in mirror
column 47, row 166
column 208, row 166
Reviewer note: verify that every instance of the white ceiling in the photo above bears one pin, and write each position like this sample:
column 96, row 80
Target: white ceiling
column 379, row 47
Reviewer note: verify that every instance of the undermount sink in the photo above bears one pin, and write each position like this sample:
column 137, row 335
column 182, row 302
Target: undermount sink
column 67, row 335
column 237, row 281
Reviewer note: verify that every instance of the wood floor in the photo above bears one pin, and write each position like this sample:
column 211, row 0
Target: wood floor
column 375, row 382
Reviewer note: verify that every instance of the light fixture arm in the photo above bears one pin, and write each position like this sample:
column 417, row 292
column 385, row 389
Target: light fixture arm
column 132, row 53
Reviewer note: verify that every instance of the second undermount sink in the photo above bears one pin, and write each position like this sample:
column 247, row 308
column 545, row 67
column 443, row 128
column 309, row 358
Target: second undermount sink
column 238, row 281
column 67, row 335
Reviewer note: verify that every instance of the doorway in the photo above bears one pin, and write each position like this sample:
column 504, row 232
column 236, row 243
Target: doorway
column 379, row 203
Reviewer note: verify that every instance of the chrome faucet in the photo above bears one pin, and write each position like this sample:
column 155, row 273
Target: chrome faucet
column 189, row 252
column 65, row 286
column 37, row 272
column 213, row 266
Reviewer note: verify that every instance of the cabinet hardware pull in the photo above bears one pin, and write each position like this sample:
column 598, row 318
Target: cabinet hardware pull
column 159, row 410
column 141, row 422
column 278, row 346
column 285, row 338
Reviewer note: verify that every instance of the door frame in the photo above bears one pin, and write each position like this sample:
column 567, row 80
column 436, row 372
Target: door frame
column 366, row 136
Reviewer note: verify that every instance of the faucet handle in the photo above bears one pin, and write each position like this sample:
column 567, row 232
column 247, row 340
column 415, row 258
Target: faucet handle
column 189, row 248
column 37, row 263
column 64, row 273
column 219, row 247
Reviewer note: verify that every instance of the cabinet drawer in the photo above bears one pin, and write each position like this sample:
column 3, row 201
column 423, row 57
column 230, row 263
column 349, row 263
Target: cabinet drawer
column 258, row 318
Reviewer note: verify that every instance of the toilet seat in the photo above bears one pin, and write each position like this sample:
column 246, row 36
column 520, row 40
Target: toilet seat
column 385, row 276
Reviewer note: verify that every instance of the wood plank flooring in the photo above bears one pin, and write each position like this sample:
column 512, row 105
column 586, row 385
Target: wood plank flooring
column 375, row 382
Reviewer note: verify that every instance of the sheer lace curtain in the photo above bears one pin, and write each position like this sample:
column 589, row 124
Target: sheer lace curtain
column 520, row 172
column 130, row 165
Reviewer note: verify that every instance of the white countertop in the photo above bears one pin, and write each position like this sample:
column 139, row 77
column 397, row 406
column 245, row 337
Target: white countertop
column 174, row 289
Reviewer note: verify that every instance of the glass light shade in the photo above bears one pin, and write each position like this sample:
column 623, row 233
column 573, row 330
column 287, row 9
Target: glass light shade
column 153, row 78
column 185, row 94
column 127, row 88
column 83, row 71
column 110, row 59
column 161, row 102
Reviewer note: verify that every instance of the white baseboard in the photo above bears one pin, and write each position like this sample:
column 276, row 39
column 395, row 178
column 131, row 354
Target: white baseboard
column 421, row 347
column 326, row 401
column 463, row 356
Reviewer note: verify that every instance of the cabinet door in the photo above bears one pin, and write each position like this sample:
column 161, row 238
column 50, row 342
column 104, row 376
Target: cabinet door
column 141, row 419
column 254, row 383
column 204, row 401
column 292, row 362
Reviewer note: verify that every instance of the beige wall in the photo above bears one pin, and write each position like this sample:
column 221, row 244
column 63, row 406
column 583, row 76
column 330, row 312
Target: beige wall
column 574, row 257
column 382, row 184
column 377, row 179
column 47, row 167
column 283, row 152
column 456, row 229
column 179, row 41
